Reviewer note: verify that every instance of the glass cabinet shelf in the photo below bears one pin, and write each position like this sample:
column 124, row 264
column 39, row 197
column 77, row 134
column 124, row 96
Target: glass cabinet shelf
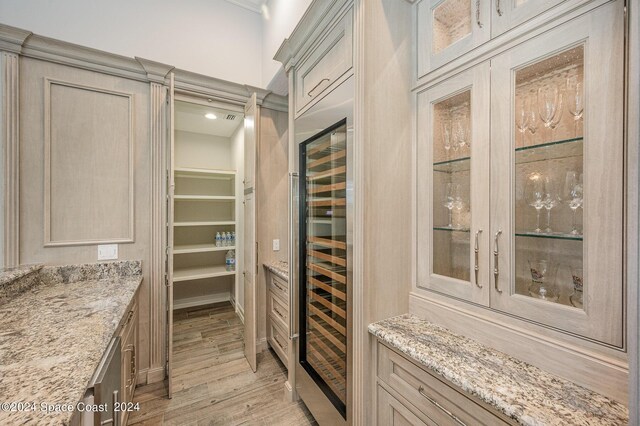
column 450, row 229
column 553, row 236
column 451, row 166
column 555, row 150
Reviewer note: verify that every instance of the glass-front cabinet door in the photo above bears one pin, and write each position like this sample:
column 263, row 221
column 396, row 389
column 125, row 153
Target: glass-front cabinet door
column 449, row 28
column 507, row 14
column 453, row 186
column 324, row 280
column 557, row 177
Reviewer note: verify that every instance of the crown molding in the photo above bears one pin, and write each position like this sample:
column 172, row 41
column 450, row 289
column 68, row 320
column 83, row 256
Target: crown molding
column 12, row 38
column 319, row 14
column 156, row 72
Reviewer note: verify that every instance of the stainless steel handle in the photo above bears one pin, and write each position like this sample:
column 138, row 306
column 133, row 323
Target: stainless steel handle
column 316, row 86
column 476, row 250
column 115, row 421
column 293, row 180
column 437, row 404
column 498, row 8
column 496, row 254
column 478, row 14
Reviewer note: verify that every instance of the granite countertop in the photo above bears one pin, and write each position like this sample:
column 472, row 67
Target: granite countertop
column 521, row 391
column 8, row 275
column 53, row 337
column 279, row 268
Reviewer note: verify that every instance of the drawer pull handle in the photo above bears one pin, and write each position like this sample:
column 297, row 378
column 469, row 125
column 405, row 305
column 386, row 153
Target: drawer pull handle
column 476, row 250
column 496, row 268
column 316, row 86
column 437, row 404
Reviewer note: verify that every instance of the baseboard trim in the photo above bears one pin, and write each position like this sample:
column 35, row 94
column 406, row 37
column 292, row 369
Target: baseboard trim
column 201, row 300
column 142, row 377
column 240, row 313
column 155, row 375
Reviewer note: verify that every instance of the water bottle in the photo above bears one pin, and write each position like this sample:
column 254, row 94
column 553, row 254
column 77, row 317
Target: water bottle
column 218, row 240
column 230, row 260
column 233, row 238
column 227, row 239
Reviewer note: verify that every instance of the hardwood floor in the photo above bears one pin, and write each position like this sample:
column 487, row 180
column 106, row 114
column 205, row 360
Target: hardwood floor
column 212, row 381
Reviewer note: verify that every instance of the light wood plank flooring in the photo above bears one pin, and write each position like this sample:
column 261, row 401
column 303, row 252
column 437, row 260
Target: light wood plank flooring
column 212, row 381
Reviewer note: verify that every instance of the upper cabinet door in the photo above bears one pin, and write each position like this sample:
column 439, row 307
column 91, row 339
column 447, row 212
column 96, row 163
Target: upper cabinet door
column 449, row 28
column 251, row 132
column 506, row 14
column 453, row 186
column 557, row 177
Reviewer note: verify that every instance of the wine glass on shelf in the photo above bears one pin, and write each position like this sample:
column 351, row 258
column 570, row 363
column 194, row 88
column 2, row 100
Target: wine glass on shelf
column 522, row 116
column 542, row 274
column 458, row 205
column 534, row 193
column 446, row 135
column 460, row 131
column 547, row 103
column 450, row 199
column 557, row 117
column 575, row 99
column 551, row 199
column 532, row 104
column 573, row 192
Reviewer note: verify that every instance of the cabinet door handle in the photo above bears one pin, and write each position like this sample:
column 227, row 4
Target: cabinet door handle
column 316, row 86
column 437, row 404
column 478, row 14
column 476, row 249
column 498, row 9
column 496, row 254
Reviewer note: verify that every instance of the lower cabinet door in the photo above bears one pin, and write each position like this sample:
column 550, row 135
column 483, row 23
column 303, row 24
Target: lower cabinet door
column 393, row 412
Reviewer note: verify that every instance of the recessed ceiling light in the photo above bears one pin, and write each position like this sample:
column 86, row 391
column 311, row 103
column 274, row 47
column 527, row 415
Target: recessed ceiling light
column 210, row 116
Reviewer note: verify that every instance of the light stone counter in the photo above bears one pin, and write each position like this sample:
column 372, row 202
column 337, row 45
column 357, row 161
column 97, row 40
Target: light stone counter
column 280, row 268
column 53, row 336
column 521, row 391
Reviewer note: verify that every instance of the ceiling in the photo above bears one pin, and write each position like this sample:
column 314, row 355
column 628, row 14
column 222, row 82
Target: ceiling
column 190, row 118
column 253, row 5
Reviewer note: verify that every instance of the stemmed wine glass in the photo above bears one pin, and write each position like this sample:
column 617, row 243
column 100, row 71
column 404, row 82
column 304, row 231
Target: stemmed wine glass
column 532, row 113
column 460, row 131
column 547, row 103
column 522, row 116
column 446, row 135
column 575, row 99
column 535, row 195
column 551, row 199
column 559, row 109
column 542, row 275
column 451, row 199
column 576, row 298
column 574, row 193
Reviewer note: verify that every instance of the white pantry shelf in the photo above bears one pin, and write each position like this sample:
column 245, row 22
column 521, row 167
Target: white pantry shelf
column 201, row 272
column 199, row 248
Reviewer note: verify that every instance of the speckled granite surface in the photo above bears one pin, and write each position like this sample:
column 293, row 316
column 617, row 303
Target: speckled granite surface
column 521, row 391
column 53, row 337
column 15, row 281
column 280, row 268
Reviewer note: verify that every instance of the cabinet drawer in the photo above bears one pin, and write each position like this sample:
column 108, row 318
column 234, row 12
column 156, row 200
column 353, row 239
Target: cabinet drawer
column 279, row 287
column 279, row 342
column 327, row 62
column 436, row 399
column 392, row 412
column 278, row 312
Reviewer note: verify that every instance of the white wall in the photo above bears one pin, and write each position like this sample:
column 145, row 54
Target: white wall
column 280, row 19
column 210, row 37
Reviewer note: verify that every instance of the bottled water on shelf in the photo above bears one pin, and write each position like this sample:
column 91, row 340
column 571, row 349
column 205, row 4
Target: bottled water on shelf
column 218, row 240
column 230, row 260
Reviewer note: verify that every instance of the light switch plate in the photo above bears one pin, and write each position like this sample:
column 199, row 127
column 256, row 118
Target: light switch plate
column 276, row 245
column 107, row 252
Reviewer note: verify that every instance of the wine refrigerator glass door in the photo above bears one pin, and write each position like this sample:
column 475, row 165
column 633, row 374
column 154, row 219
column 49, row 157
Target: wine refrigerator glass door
column 323, row 262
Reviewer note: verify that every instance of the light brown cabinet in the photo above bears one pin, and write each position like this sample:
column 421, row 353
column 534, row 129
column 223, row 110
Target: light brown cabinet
column 278, row 316
column 535, row 228
column 411, row 395
column 448, row 29
column 128, row 370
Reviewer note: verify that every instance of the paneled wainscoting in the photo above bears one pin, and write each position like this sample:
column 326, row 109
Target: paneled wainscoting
column 213, row 383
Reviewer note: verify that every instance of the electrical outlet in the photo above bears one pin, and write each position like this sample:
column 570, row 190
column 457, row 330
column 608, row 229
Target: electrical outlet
column 276, row 245
column 107, row 252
